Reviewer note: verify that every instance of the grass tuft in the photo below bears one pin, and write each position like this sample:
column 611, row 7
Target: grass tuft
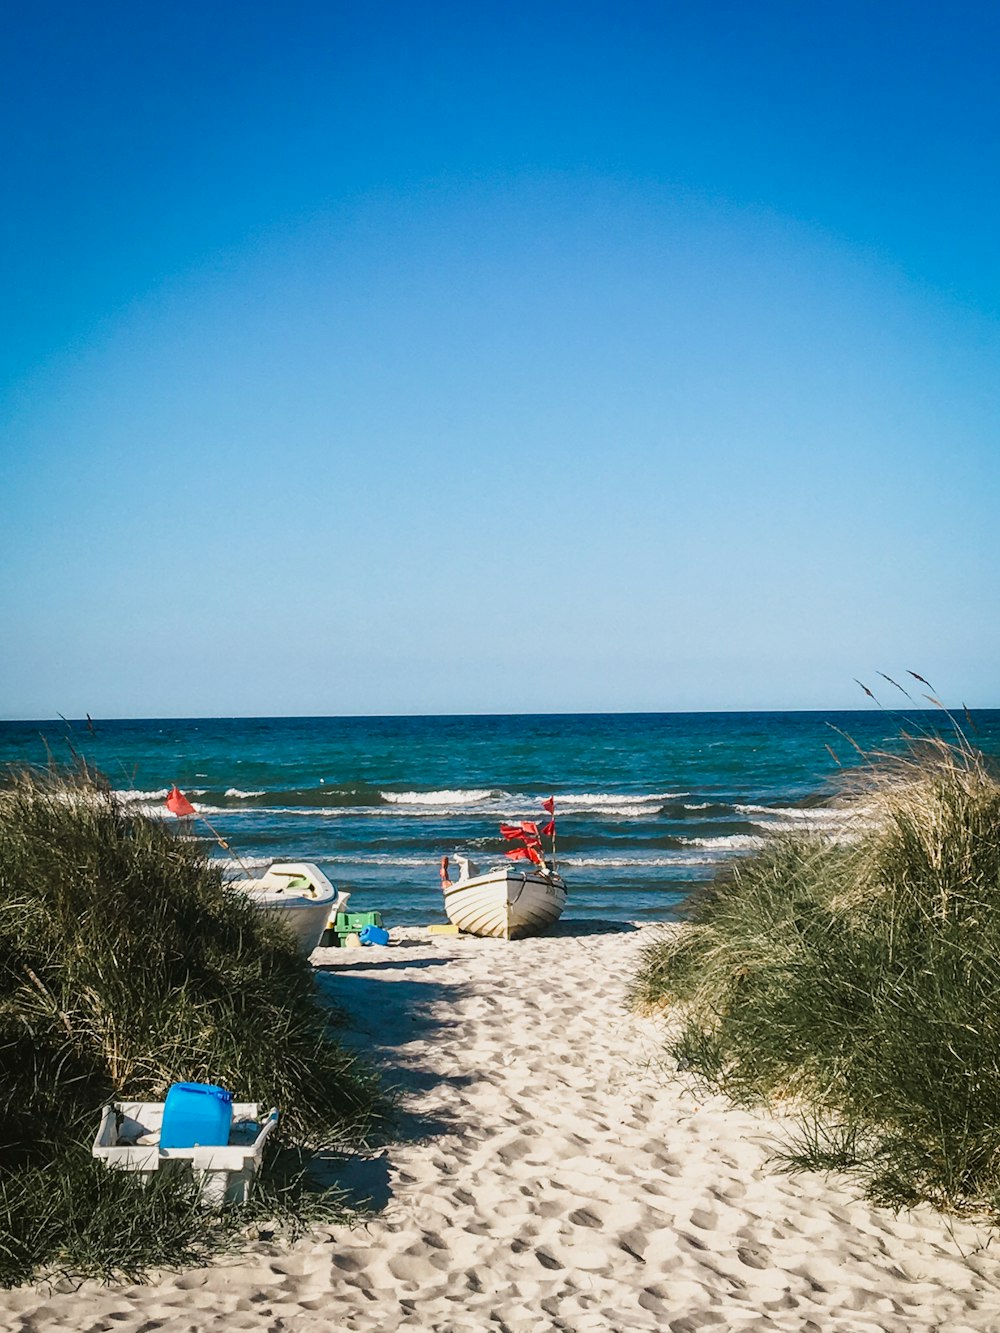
column 860, row 981
column 126, row 966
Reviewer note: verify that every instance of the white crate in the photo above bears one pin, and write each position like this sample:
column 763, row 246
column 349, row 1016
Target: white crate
column 224, row 1173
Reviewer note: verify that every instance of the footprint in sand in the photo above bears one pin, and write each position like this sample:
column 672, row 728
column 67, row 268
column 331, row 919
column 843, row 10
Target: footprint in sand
column 754, row 1256
column 654, row 1187
column 692, row 1242
column 408, row 1267
column 349, row 1263
column 513, row 1152
column 633, row 1243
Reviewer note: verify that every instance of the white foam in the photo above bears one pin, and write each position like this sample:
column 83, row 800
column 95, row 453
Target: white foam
column 159, row 811
column 613, row 801
column 430, row 863
column 817, row 814
column 234, row 869
column 612, row 808
column 235, row 791
column 629, row 862
column 625, row 811
column 459, row 797
column 151, row 800
column 730, row 842
column 152, row 812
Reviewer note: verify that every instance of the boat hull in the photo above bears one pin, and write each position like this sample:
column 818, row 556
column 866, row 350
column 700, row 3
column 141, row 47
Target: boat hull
column 298, row 895
column 505, row 904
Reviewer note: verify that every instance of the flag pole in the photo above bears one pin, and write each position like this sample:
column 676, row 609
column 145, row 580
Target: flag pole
column 225, row 846
column 550, row 806
column 192, row 814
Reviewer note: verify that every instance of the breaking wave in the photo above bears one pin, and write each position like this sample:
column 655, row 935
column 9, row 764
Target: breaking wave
column 732, row 842
column 634, row 862
column 459, row 797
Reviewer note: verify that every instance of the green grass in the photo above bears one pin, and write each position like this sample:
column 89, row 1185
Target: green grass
column 126, row 966
column 860, row 983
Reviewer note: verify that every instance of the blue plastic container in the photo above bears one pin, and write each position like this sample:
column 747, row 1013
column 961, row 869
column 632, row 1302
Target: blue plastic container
column 373, row 935
column 196, row 1115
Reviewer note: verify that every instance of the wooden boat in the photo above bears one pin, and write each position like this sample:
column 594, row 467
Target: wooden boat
column 298, row 894
column 508, row 902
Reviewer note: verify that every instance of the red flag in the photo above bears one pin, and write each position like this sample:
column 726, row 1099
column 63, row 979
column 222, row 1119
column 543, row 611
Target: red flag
column 549, row 831
column 550, row 805
column 179, row 805
column 524, row 832
column 524, row 854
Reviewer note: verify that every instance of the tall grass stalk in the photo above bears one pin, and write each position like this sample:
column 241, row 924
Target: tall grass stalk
column 126, row 966
column 860, row 982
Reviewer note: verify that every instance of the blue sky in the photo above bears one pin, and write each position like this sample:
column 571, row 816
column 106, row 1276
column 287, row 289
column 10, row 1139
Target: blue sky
column 381, row 358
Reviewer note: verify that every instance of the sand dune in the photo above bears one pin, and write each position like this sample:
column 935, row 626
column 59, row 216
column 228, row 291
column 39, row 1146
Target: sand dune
column 550, row 1177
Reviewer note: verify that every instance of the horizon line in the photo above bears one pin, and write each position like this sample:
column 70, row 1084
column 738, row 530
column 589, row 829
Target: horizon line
column 616, row 712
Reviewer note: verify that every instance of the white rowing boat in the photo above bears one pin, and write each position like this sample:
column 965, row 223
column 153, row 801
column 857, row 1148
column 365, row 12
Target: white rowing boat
column 507, row 902
column 298, row 894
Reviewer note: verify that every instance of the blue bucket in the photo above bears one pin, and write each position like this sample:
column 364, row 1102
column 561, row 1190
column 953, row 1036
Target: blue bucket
column 373, row 935
column 196, row 1115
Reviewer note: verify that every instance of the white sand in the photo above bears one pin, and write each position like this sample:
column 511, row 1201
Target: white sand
column 552, row 1179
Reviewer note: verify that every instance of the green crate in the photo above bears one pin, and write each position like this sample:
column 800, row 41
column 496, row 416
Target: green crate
column 348, row 923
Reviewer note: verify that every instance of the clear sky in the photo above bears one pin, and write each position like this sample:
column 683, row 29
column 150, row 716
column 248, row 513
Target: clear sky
column 497, row 357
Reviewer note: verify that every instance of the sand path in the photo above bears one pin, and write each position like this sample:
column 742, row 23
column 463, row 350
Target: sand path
column 549, row 1178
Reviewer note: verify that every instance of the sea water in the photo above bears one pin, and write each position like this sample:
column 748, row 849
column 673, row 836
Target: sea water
column 647, row 805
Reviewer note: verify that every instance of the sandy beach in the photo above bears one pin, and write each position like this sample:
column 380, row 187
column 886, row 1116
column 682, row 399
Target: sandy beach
column 550, row 1175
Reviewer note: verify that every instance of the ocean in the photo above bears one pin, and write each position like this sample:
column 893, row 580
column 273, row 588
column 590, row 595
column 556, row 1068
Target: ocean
column 647, row 805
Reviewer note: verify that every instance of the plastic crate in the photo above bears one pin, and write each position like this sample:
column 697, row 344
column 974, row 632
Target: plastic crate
column 224, row 1174
column 343, row 924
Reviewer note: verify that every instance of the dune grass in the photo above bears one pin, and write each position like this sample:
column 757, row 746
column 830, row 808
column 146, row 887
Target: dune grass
column 126, row 966
column 859, row 982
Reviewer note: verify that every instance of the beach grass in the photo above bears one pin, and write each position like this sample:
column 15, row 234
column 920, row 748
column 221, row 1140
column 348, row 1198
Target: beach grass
column 857, row 982
column 125, row 966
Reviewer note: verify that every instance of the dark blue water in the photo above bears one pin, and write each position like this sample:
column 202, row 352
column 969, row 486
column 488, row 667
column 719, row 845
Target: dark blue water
column 648, row 805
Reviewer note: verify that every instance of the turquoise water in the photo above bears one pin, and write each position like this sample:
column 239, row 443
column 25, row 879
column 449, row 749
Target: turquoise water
column 648, row 805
